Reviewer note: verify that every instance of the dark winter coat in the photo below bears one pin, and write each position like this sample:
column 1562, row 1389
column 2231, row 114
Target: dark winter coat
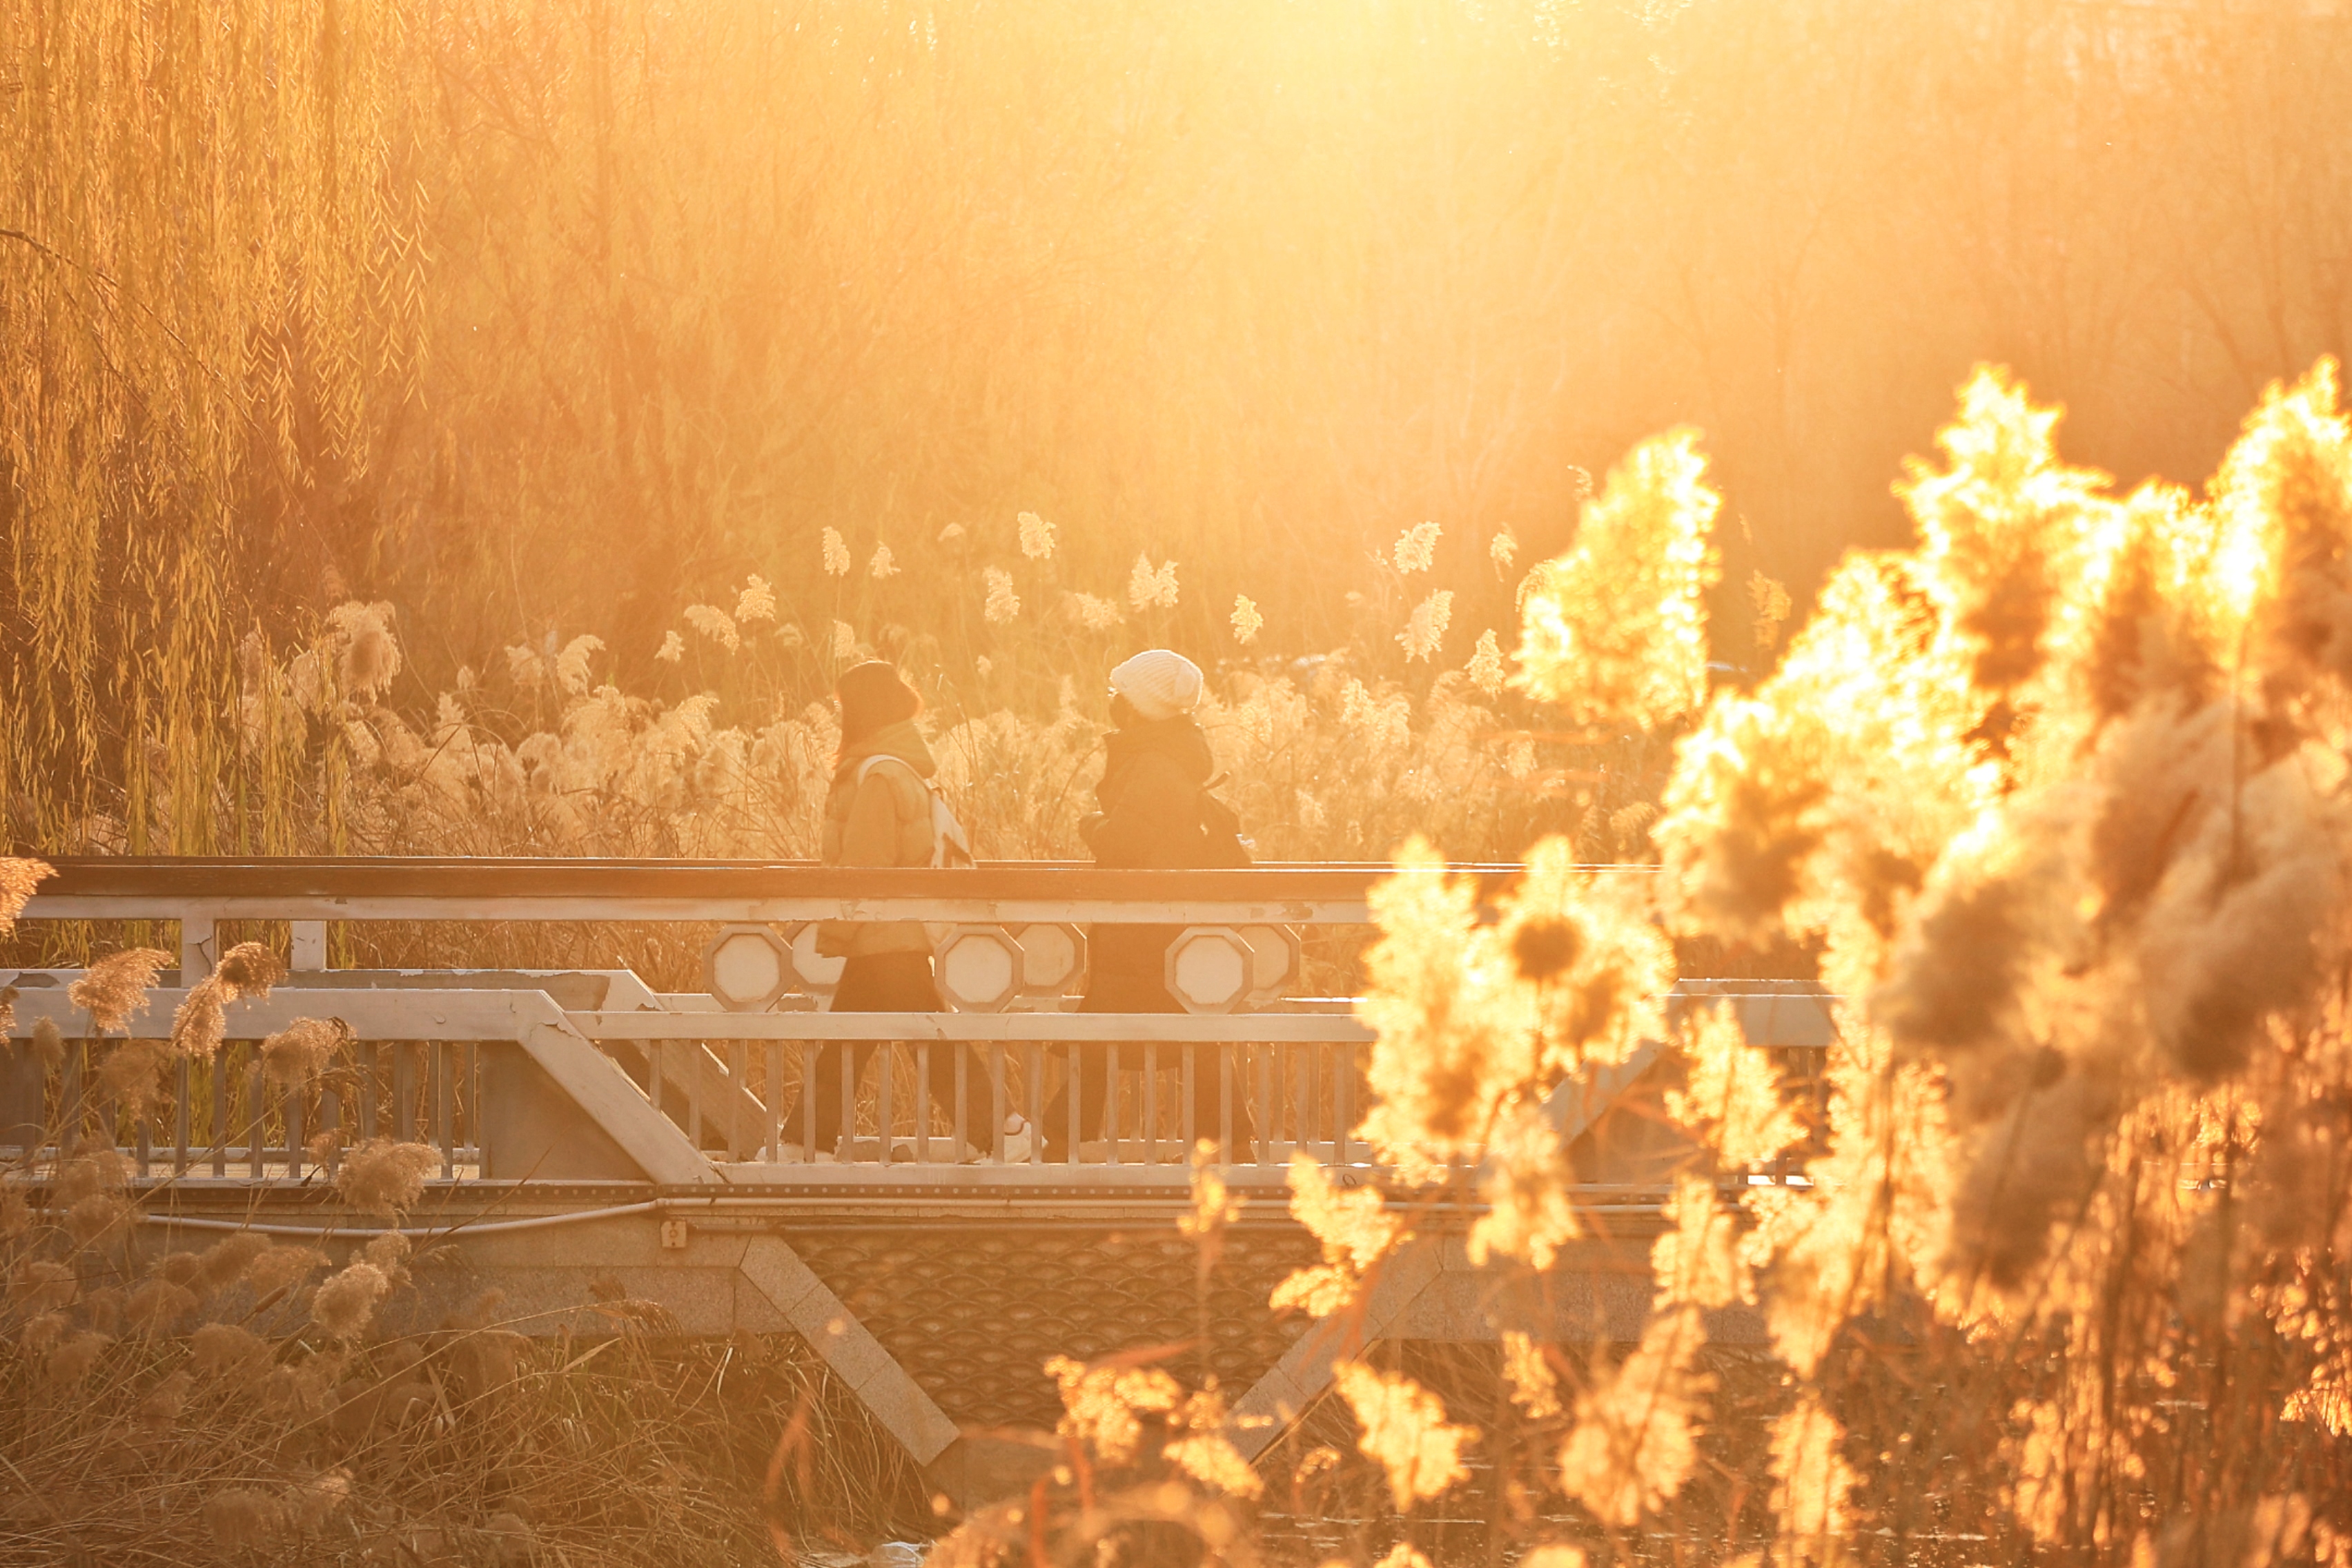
column 1154, row 799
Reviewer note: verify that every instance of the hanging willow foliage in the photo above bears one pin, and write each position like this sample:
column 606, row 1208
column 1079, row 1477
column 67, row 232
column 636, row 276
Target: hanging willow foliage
column 208, row 272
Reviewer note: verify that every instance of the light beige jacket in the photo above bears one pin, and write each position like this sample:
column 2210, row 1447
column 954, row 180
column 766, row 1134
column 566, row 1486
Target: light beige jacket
column 884, row 819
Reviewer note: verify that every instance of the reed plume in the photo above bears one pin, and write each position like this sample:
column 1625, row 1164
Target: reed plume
column 385, row 1176
column 115, row 986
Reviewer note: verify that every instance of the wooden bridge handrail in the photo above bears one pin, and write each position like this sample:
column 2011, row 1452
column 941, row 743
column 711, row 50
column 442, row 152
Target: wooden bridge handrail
column 392, row 887
column 207, row 878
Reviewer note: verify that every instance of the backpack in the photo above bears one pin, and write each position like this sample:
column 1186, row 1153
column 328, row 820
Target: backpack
column 948, row 844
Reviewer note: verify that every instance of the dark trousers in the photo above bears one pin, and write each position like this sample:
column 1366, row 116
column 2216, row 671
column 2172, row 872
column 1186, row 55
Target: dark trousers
column 1095, row 1079
column 893, row 983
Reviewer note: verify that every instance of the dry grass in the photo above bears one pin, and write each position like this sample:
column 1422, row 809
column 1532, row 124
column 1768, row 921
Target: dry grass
column 219, row 1406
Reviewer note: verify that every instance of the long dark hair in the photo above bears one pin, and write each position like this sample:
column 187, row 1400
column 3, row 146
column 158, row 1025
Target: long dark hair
column 873, row 695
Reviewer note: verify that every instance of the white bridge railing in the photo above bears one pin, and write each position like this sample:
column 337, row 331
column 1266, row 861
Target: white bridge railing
column 578, row 1074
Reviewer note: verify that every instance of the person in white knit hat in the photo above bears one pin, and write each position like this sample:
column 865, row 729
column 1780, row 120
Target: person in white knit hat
column 1156, row 814
column 1158, row 683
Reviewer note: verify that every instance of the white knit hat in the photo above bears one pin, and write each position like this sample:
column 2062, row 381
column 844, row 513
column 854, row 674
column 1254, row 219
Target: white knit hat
column 1159, row 683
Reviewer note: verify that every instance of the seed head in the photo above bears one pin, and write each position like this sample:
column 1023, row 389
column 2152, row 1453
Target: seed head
column 96, row 1218
column 77, row 1357
column 201, row 1020
column 223, row 1350
column 43, row 1286
column 715, row 624
column 114, row 987
column 249, row 969
column 40, row 1335
column 389, row 1252
column 99, row 1171
column 163, row 1404
column 103, row 1309
column 1405, row 1429
column 370, row 656
column 757, row 602
column 384, row 1177
column 1150, row 587
column 1037, row 537
column 156, row 1306
column 132, row 1075
column 1002, row 604
column 223, row 1263
column 1424, row 628
column 1486, row 667
column 299, row 1053
column 1416, row 548
column 346, row 1302
column 17, row 879
column 49, row 1043
column 276, row 1269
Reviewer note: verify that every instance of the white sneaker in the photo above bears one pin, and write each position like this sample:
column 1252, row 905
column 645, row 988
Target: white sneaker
column 1020, row 1140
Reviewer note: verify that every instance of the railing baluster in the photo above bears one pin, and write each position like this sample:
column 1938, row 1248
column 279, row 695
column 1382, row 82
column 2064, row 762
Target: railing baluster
column 1302, row 1129
column 1224, row 1103
column 923, row 1102
column 735, row 1105
column 772, row 1135
column 184, row 1079
column 1262, row 1061
column 403, row 1090
column 1074, row 1087
column 441, row 1108
column 473, row 1101
column 810, row 1051
column 961, row 1148
column 888, row 1060
column 70, row 1126
column 367, row 1090
column 330, row 1123
column 1111, row 1053
column 1185, row 1088
column 254, row 1113
column 1034, row 1085
column 1151, row 1103
column 222, row 1079
column 848, row 1059
column 996, row 1116
column 293, row 1132
column 1343, row 1085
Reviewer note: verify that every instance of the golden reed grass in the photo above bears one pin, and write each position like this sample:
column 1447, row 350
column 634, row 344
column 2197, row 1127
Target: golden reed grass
column 2054, row 800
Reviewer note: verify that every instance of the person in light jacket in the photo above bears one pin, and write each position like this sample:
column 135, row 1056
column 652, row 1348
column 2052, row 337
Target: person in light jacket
column 1156, row 814
column 880, row 814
